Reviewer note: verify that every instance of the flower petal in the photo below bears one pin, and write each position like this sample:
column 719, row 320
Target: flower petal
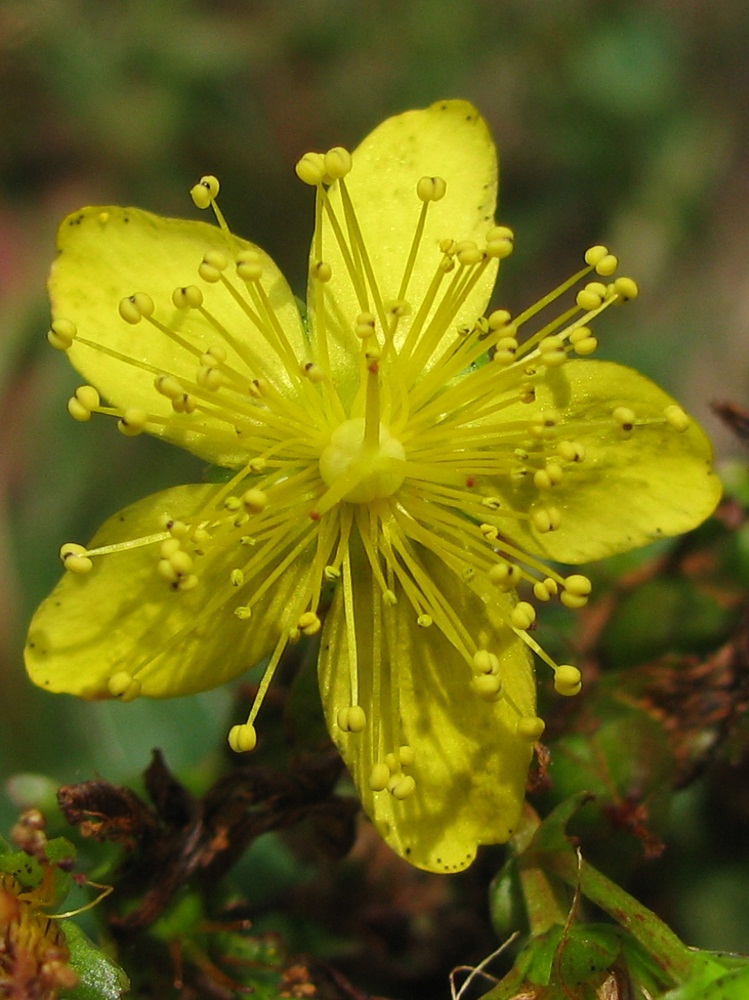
column 633, row 486
column 123, row 617
column 470, row 765
column 107, row 254
column 449, row 139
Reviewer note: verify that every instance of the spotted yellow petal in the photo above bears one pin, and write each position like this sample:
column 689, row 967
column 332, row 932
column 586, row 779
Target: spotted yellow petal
column 469, row 761
column 108, row 254
column 123, row 619
column 635, row 482
column 448, row 140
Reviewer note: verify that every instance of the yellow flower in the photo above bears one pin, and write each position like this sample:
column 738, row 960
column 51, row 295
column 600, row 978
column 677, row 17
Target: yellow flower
column 404, row 451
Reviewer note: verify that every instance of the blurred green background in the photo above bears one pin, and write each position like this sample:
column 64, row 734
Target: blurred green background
column 617, row 122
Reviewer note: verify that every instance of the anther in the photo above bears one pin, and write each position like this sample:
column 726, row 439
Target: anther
column 379, row 777
column 582, row 340
column 424, row 621
column 546, row 519
column 552, row 351
column 237, row 577
column 243, row 738
column 311, row 169
column 485, row 662
column 352, row 719
column 85, row 401
column 523, row 615
column 500, row 241
column 571, row 451
column 431, row 189
column 135, row 307
column 625, row 417
column 189, row 297
column 544, row 590
column 567, row 680
column 205, row 191
column 62, row 334
column 530, row 728
column 505, row 575
column 249, row 265
column 676, row 417
column 487, row 686
column 309, row 623
column 403, row 787
column 576, row 591
column 321, row 271
column 75, row 558
column 594, row 255
column 132, row 422
column 607, row 265
column 468, row 253
column 212, row 265
column 592, row 296
column 123, row 686
column 254, row 500
column 364, row 326
column 337, row 162
column 167, row 385
column 626, row 289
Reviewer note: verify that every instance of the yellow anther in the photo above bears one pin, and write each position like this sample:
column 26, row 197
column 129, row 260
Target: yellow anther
column 592, row 296
column 132, row 422
column 523, row 615
column 178, row 529
column 585, row 346
column 181, row 562
column 607, row 265
column 243, row 738
column 485, row 662
column 625, row 417
column 594, row 255
column 209, row 378
column 331, row 574
column 309, row 623
column 576, row 591
column 626, row 289
column 468, row 253
column 389, row 598
column 169, row 546
column 402, row 787
column 431, row 189
column 188, row 297
column 249, row 265
column 398, row 307
column 187, row 583
column 505, row 350
column 530, row 728
column 62, row 334
column 546, row 519
column 321, row 271
column 499, row 319
column 392, row 762
column 552, row 351
column 487, row 686
column 676, row 417
column 364, row 326
column 424, row 621
column 255, row 500
column 237, row 577
column 379, row 777
column 212, row 265
column 567, row 680
column 406, row 755
column 578, row 584
column 85, row 401
column 352, row 719
column 313, row 372
column 135, row 307
column 243, row 612
column 311, row 169
column 337, row 162
column 75, row 558
column 505, row 575
column 123, row 686
column 500, row 241
column 542, row 591
column 571, row 451
column 205, row 191
column 167, row 385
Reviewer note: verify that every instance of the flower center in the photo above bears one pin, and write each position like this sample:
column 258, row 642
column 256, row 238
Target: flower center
column 370, row 470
